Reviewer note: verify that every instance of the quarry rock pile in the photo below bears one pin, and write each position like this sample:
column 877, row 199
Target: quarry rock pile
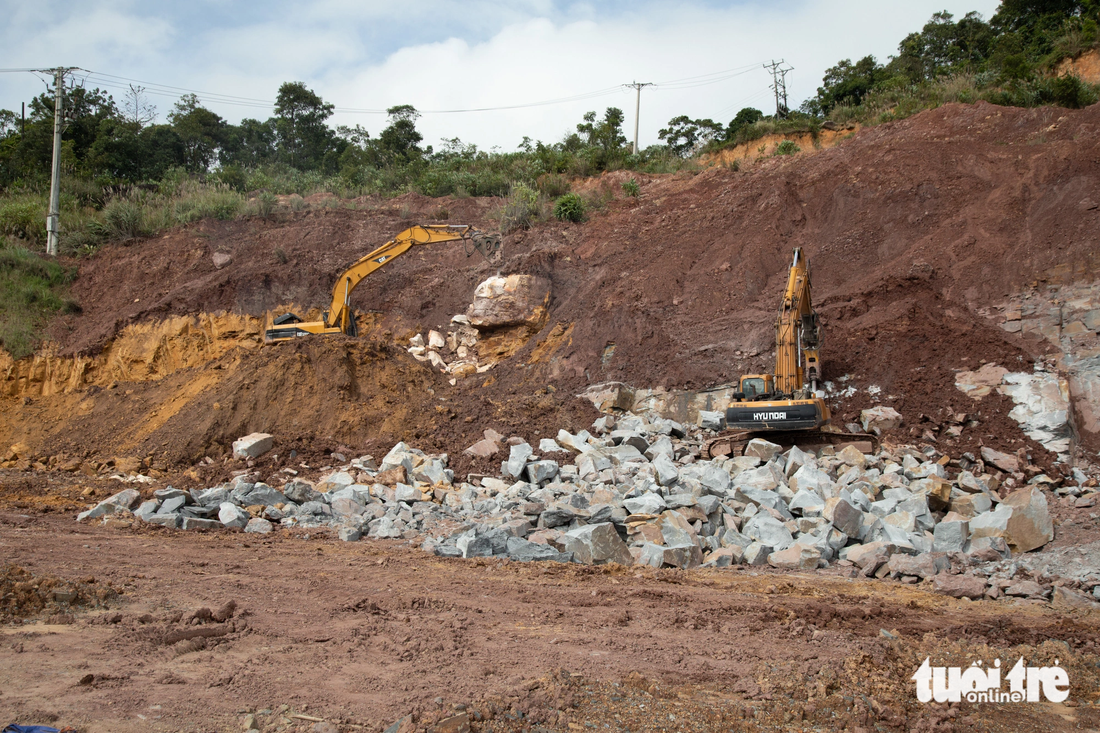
column 633, row 491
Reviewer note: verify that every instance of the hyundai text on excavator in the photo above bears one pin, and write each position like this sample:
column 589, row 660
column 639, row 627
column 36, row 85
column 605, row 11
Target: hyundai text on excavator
column 339, row 317
column 785, row 406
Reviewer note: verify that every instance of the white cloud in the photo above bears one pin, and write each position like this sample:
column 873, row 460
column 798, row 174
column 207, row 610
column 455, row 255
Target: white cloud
column 443, row 55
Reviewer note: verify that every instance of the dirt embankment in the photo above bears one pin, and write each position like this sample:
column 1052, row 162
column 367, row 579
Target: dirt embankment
column 759, row 150
column 911, row 229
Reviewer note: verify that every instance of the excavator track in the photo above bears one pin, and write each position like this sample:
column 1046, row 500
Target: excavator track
column 733, row 442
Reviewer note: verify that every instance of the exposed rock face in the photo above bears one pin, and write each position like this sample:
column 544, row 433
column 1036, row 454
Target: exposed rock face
column 509, row 301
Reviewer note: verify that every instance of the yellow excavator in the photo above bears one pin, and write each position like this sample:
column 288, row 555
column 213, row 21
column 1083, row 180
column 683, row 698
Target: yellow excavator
column 339, row 317
column 785, row 406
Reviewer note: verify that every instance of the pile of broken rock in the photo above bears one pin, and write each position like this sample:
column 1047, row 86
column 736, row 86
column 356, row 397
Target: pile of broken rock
column 634, row 491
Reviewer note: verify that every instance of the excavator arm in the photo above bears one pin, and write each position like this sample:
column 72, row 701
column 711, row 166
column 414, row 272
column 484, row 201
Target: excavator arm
column 339, row 317
column 797, row 336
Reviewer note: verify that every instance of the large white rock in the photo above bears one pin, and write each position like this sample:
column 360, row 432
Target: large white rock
column 252, row 445
column 765, row 478
column 950, row 536
column 880, row 418
column 517, row 460
column 231, row 515
column 578, row 442
column 1022, row 519
column 808, row 503
column 762, row 449
column 508, row 301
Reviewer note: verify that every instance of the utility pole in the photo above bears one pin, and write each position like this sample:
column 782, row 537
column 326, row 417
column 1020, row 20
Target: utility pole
column 779, row 85
column 52, row 220
column 637, row 109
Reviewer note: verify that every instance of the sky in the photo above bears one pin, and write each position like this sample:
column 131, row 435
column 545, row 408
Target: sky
column 705, row 58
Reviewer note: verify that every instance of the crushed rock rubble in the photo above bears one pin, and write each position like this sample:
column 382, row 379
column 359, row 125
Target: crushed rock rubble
column 633, row 490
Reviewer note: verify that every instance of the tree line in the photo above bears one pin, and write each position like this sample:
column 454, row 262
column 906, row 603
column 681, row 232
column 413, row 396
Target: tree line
column 108, row 143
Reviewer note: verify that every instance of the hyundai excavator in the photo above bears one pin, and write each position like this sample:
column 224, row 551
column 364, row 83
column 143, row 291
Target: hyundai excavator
column 339, row 317
column 785, row 406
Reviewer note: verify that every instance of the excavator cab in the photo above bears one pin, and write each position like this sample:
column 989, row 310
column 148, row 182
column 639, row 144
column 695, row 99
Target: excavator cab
column 754, row 387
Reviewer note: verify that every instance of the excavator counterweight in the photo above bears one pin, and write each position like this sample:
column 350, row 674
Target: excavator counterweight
column 339, row 317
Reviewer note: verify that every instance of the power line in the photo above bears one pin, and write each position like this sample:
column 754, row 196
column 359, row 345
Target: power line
column 748, row 67
column 114, row 81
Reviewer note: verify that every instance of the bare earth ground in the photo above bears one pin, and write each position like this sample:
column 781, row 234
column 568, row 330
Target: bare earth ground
column 362, row 634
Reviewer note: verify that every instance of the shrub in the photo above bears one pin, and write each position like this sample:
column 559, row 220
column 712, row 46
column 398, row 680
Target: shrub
column 266, row 204
column 1070, row 91
column 122, row 219
column 553, row 185
column 569, row 207
column 631, row 188
column 233, row 177
column 521, row 208
column 787, row 147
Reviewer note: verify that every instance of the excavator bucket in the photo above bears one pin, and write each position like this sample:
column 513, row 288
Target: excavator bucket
column 488, row 245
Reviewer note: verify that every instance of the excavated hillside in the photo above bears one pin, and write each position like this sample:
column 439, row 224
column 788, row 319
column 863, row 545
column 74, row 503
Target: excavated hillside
column 917, row 233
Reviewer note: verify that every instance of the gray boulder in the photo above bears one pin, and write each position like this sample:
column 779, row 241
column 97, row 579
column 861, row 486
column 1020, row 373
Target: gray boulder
column 523, row 551
column 597, row 544
column 647, row 503
column 120, row 503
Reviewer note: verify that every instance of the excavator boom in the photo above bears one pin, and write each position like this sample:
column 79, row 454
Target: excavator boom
column 339, row 317
column 796, row 333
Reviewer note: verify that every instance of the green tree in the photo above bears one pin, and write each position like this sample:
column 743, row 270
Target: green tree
column 607, row 133
column 300, row 115
column 201, row 131
column 399, row 143
column 942, row 47
column 125, row 151
column 684, row 136
column 845, row 83
column 249, row 144
column 746, row 117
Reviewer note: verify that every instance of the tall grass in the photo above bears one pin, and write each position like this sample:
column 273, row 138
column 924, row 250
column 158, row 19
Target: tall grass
column 31, row 290
column 24, row 216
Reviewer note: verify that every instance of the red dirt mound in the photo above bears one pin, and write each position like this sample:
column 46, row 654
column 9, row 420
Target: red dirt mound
column 910, row 227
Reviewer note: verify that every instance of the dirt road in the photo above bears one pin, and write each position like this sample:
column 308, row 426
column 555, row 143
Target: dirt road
column 361, row 634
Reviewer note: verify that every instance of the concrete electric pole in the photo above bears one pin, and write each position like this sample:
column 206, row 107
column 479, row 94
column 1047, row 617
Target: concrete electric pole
column 637, row 109
column 53, row 218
